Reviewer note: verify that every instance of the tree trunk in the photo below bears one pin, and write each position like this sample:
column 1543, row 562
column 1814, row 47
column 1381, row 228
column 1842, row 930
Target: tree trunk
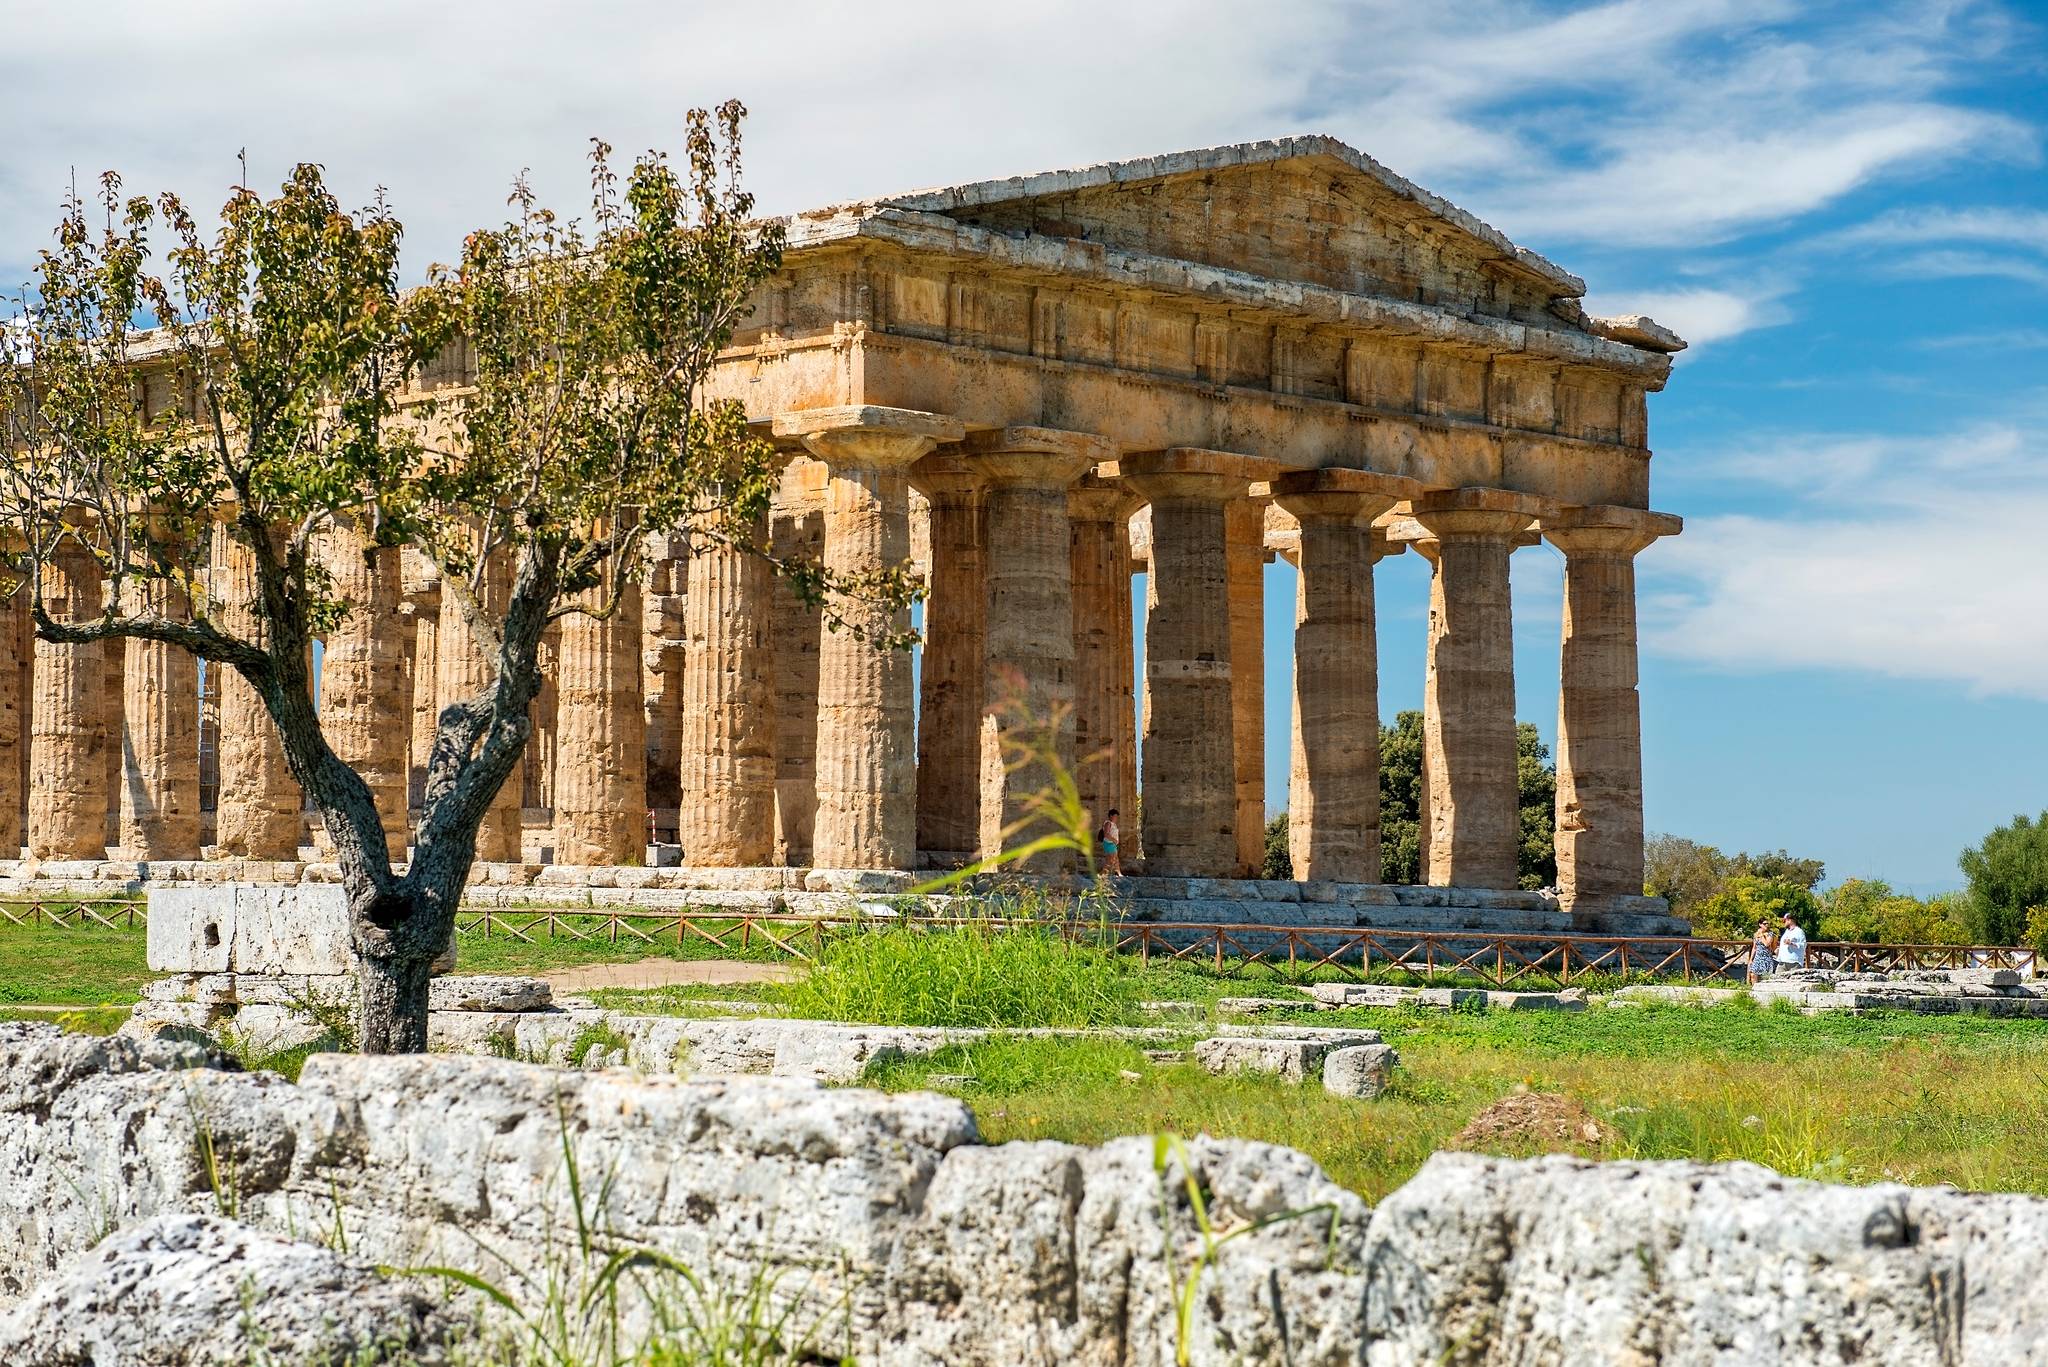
column 393, row 1014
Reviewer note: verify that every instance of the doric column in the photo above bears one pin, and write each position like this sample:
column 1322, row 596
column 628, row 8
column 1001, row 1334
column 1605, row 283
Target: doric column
column 796, row 530
column 661, row 675
column 1027, row 692
column 159, row 791
column 67, row 812
column 257, row 813
column 423, row 606
column 365, row 708
column 463, row 669
column 1245, row 532
column 867, row 759
column 1333, row 795
column 1469, row 711
column 955, row 654
column 17, row 644
column 1105, row 717
column 1599, row 715
column 1190, row 755
column 727, row 818
column 600, row 777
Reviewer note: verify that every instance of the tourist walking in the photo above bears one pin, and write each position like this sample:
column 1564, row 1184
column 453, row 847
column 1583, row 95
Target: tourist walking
column 1791, row 945
column 1108, row 834
column 1763, row 951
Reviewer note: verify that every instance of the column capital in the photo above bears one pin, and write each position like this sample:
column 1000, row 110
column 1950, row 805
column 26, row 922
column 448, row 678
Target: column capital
column 1093, row 498
column 1035, row 456
column 1608, row 530
column 946, row 474
column 866, row 435
column 1192, row 472
column 1502, row 513
column 1340, row 493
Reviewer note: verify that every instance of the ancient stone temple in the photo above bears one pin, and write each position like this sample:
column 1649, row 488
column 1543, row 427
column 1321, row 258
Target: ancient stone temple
column 1039, row 387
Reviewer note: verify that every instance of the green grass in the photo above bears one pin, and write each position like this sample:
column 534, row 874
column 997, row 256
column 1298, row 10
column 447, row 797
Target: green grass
column 72, row 966
column 83, row 1020
column 1854, row 1099
column 503, row 953
column 976, row 975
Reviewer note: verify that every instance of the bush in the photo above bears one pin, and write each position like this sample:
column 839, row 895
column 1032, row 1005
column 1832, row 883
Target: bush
column 1743, row 901
column 976, row 975
column 1869, row 911
column 1279, row 863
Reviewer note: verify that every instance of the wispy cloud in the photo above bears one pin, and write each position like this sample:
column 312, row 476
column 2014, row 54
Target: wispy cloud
column 1915, row 557
column 1997, row 339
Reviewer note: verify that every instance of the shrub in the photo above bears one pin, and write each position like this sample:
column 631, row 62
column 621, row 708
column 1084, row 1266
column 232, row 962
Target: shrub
column 1868, row 910
column 2008, row 873
column 1733, row 912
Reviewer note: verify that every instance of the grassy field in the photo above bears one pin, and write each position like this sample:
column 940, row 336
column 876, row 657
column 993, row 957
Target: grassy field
column 1849, row 1098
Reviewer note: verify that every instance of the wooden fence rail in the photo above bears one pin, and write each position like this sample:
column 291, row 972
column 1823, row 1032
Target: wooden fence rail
column 1230, row 950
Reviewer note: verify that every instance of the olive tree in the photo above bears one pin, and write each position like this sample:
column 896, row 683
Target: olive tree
column 583, row 429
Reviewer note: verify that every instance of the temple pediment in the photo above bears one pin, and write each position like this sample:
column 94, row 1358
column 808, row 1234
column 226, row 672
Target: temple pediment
column 1308, row 210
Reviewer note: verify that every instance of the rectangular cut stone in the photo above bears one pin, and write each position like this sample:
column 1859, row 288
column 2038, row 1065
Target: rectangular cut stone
column 292, row 930
column 190, row 930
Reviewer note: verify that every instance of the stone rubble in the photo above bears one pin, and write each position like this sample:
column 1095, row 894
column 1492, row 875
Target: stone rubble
column 201, row 1291
column 911, row 1242
column 1361, row 1071
column 2001, row 992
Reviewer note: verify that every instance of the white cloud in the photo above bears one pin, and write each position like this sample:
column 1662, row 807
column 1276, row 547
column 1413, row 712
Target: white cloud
column 1626, row 121
column 2005, row 227
column 1911, row 557
column 1702, row 315
column 1949, row 265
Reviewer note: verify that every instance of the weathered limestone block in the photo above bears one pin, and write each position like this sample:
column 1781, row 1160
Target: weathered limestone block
column 259, row 811
column 1563, row 1260
column 866, row 766
column 1599, row 724
column 951, row 676
column 1475, row 821
column 1362, row 1071
column 488, row 992
column 68, row 801
column 1290, row 1060
column 600, row 788
column 201, row 1291
column 1027, row 692
column 280, row 930
column 727, row 817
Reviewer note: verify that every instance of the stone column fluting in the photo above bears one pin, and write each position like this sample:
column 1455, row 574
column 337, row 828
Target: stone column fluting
column 67, row 809
column 600, row 778
column 1469, row 742
column 866, row 755
column 1333, row 791
column 1105, row 714
column 955, row 653
column 160, row 739
column 1599, row 714
column 257, row 813
column 1027, row 692
column 1245, row 533
column 17, row 644
column 365, row 708
column 727, row 817
column 796, row 531
column 662, row 648
column 464, row 668
column 1190, row 758
column 423, row 605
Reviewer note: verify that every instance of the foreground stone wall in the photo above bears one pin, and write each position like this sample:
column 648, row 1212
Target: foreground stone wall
column 937, row 1249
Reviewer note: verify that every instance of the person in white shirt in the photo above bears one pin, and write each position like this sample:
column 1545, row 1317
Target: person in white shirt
column 1791, row 945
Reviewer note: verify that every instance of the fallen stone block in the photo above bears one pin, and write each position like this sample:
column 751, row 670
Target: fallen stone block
column 488, row 992
column 193, row 1290
column 1361, row 1070
column 1292, row 1060
column 1534, row 1001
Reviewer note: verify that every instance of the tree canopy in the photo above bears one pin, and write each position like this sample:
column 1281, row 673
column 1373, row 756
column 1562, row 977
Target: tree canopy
column 2008, row 877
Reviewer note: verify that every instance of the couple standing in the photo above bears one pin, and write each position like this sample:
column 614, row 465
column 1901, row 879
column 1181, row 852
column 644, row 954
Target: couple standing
column 1776, row 949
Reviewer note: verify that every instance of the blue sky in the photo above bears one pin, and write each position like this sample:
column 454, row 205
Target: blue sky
column 1841, row 204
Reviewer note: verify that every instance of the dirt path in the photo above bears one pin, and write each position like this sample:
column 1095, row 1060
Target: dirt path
column 667, row 973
